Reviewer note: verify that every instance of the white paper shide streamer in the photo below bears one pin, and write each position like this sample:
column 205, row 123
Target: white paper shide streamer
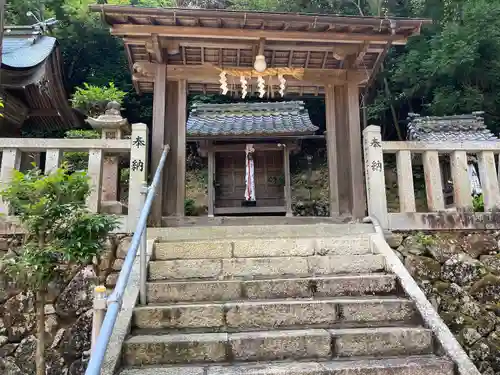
column 223, row 82
column 282, row 84
column 249, row 173
column 244, row 88
column 475, row 184
column 261, row 85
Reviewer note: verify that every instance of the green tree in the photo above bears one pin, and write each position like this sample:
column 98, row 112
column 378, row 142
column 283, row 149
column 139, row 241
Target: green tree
column 61, row 234
column 92, row 100
column 452, row 68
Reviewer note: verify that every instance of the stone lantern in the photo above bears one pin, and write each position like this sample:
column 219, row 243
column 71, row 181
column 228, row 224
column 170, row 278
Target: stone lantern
column 112, row 126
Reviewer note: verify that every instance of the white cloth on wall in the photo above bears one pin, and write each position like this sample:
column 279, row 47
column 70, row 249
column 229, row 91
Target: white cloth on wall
column 475, row 184
column 249, row 174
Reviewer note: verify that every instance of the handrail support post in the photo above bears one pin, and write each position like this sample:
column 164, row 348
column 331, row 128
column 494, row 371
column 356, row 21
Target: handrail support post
column 99, row 307
column 114, row 302
column 143, row 252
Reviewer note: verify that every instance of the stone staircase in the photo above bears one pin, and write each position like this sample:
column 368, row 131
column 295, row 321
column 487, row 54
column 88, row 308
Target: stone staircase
column 280, row 300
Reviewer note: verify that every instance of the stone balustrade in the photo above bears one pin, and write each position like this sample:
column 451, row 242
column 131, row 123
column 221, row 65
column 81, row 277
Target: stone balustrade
column 462, row 216
column 135, row 148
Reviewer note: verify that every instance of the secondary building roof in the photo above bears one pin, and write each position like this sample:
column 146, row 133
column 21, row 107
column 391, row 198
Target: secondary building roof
column 26, row 52
column 249, row 119
column 32, row 82
column 458, row 128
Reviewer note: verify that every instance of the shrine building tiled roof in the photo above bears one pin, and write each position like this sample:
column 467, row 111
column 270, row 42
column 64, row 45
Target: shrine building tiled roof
column 458, row 128
column 247, row 119
column 26, row 52
column 25, row 47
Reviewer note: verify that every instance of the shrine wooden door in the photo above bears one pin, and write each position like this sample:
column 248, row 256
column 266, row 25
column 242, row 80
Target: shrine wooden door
column 230, row 180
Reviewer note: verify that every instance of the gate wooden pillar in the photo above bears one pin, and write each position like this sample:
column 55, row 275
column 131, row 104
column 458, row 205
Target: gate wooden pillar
column 158, row 139
column 331, row 148
column 343, row 138
column 357, row 185
column 175, row 127
column 350, row 172
column 342, row 150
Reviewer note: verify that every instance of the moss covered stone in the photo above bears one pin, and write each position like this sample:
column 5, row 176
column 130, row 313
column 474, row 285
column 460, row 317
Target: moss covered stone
column 487, row 289
column 455, row 298
column 414, row 245
column 468, row 337
column 441, row 286
column 462, row 270
column 423, row 268
column 458, row 321
column 478, row 244
column 492, row 263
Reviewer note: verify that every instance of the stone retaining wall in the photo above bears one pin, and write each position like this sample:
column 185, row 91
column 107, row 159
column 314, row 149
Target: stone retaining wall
column 460, row 274
column 68, row 315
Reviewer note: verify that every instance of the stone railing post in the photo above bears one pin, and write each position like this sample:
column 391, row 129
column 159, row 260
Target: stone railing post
column 11, row 160
column 375, row 175
column 138, row 172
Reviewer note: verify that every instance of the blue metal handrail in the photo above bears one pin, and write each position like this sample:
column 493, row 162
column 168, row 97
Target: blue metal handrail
column 116, row 298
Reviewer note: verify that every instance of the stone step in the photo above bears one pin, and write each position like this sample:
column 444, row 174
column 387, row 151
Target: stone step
column 258, row 247
column 226, row 290
column 413, row 365
column 274, row 313
column 249, row 268
column 263, row 230
column 275, row 345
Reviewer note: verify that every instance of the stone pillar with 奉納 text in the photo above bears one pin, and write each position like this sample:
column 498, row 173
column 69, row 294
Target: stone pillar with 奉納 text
column 374, row 174
column 138, row 173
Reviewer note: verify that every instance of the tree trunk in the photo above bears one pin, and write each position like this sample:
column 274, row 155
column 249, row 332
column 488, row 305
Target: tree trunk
column 388, row 95
column 40, row 324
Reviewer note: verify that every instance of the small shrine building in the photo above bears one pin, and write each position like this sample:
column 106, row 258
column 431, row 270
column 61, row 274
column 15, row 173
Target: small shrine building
column 248, row 147
column 176, row 52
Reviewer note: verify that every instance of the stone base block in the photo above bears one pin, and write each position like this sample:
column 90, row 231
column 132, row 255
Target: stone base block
column 280, row 345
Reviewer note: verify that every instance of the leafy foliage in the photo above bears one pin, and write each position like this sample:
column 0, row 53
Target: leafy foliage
column 189, row 207
column 478, row 203
column 53, row 210
column 61, row 232
column 78, row 161
column 92, row 100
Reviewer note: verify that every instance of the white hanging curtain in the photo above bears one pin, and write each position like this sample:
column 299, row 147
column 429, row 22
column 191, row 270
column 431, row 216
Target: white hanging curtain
column 475, row 184
column 249, row 174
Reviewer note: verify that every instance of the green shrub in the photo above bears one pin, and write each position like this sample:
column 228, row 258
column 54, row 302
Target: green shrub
column 478, row 203
column 189, row 207
column 92, row 100
column 61, row 234
column 78, row 161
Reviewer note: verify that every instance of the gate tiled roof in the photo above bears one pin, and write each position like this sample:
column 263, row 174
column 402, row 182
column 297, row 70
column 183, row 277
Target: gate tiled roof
column 246, row 119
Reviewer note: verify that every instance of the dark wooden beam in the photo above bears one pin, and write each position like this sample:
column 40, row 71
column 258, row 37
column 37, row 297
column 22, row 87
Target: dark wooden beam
column 325, row 58
column 252, row 34
column 339, row 49
column 361, row 55
column 173, row 47
column 52, row 112
column 145, row 72
column 157, row 50
column 243, row 16
column 378, row 63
